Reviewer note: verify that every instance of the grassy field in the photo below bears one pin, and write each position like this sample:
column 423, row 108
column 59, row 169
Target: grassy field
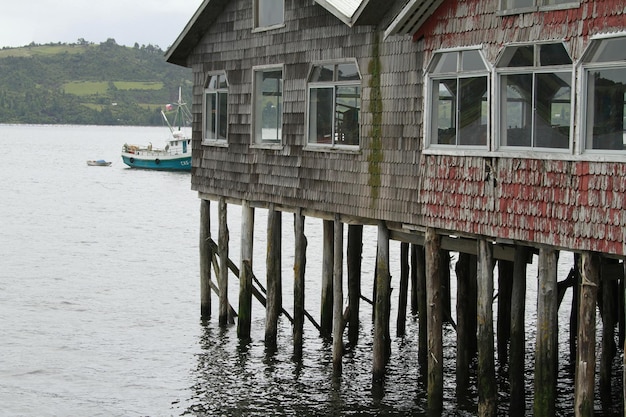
column 88, row 88
column 29, row 51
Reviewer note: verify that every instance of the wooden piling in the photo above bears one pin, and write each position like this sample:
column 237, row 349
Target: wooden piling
column 382, row 339
column 608, row 286
column 487, row 387
column 517, row 347
column 464, row 327
column 222, row 242
column 573, row 318
column 434, row 308
column 326, row 313
column 546, row 348
column 505, row 288
column 274, row 278
column 245, row 276
column 586, row 357
column 354, row 255
column 413, row 277
column 206, row 255
column 404, row 289
column 337, row 296
column 298, row 286
column 419, row 256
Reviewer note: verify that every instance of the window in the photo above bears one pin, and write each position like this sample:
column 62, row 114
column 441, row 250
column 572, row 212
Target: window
column 268, row 105
column 268, row 13
column 334, row 104
column 604, row 74
column 535, row 96
column 516, row 6
column 216, row 108
column 459, row 105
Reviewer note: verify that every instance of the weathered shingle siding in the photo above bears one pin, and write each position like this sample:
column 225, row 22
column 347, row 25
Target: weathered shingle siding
column 329, row 181
column 573, row 203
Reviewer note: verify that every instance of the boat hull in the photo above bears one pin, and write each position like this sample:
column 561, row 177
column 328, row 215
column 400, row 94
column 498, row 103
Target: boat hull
column 158, row 162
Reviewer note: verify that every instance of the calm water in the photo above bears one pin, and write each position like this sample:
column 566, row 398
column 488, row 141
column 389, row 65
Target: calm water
column 99, row 300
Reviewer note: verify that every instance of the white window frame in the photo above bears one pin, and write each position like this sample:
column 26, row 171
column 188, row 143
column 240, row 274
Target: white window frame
column 500, row 95
column 258, row 26
column 257, row 110
column 429, row 146
column 586, row 130
column 537, row 5
column 334, row 85
column 207, row 137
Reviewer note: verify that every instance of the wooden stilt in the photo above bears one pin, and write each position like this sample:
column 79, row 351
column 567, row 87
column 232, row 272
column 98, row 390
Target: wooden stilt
column 434, row 308
column 206, row 255
column 444, row 269
column 517, row 349
column 609, row 289
column 487, row 388
column 338, row 296
column 464, row 326
column 326, row 319
column 298, row 287
column 586, row 357
column 547, row 331
column 274, row 278
column 404, row 289
column 413, row 272
column 505, row 288
column 245, row 277
column 224, row 317
column 382, row 341
column 355, row 251
column 422, row 342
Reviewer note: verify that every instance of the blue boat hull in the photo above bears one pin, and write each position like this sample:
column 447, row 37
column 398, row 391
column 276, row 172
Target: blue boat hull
column 182, row 163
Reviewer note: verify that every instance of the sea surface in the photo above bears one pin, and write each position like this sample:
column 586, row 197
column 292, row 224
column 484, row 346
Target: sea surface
column 99, row 301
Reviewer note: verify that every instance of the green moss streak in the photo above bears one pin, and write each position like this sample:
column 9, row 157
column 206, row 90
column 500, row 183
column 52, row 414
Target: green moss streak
column 375, row 156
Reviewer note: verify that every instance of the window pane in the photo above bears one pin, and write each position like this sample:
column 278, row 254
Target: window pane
column 347, row 110
column 553, row 105
column 322, row 73
column 444, row 112
column 223, row 114
column 210, row 117
column 445, row 62
column 472, row 61
column 268, row 106
column 518, row 56
column 516, row 4
column 608, row 50
column 516, row 111
column 221, row 82
column 553, row 54
column 347, row 72
column 321, row 115
column 270, row 12
column 472, row 102
column 605, row 108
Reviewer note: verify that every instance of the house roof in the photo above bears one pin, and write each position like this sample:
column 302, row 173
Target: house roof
column 412, row 16
column 351, row 12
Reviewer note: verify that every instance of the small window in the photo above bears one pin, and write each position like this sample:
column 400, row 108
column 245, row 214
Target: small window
column 268, row 105
column 216, row 108
column 604, row 66
column 518, row 6
column 268, row 13
column 535, row 97
column 459, row 99
column 334, row 105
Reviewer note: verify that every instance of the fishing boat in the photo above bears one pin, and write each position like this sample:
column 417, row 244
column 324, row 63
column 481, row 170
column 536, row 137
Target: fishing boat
column 99, row 163
column 175, row 155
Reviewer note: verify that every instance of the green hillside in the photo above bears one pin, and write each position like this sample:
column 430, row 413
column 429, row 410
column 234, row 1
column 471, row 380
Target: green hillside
column 85, row 83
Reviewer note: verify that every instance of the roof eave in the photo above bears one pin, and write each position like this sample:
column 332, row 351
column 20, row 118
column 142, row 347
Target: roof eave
column 412, row 17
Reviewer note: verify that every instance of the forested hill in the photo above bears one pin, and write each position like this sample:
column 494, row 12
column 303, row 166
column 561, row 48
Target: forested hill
column 86, row 83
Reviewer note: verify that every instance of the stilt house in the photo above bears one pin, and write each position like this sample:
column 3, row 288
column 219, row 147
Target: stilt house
column 495, row 128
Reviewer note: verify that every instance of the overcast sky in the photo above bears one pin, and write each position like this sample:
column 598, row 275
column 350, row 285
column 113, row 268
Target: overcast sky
column 156, row 22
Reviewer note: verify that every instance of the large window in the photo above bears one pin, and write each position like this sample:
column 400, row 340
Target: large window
column 535, row 96
column 216, row 109
column 604, row 68
column 459, row 105
column 268, row 105
column 334, row 104
column 268, row 13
